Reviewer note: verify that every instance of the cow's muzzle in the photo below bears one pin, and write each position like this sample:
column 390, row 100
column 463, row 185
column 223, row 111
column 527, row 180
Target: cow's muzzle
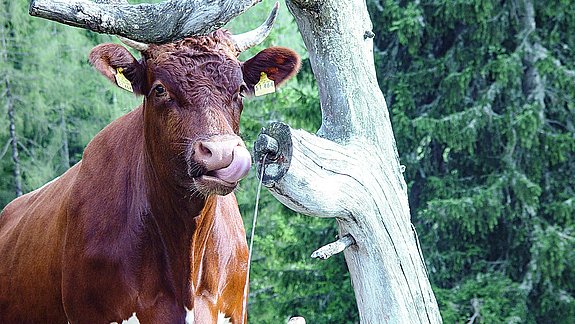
column 225, row 161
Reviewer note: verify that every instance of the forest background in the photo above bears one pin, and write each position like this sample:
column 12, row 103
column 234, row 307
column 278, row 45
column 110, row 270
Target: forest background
column 482, row 99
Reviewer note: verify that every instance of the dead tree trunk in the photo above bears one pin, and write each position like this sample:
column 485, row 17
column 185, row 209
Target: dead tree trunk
column 12, row 121
column 13, row 140
column 350, row 170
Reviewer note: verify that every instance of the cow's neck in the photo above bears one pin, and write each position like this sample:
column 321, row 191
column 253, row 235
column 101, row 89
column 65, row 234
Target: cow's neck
column 171, row 216
column 171, row 224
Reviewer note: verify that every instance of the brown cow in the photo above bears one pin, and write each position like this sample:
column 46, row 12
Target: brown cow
column 146, row 223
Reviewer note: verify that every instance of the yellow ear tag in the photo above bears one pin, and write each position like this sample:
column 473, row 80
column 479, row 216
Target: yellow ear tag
column 264, row 86
column 121, row 80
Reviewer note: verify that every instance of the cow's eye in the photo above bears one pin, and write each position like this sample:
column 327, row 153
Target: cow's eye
column 160, row 90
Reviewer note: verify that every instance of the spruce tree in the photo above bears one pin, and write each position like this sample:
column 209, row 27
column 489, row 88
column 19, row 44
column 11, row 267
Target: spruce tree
column 58, row 102
column 481, row 94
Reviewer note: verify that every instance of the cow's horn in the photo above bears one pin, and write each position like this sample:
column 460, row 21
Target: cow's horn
column 133, row 44
column 256, row 36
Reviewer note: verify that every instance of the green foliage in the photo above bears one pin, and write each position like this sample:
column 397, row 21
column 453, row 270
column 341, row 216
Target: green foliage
column 483, row 116
column 59, row 100
column 492, row 298
column 408, row 25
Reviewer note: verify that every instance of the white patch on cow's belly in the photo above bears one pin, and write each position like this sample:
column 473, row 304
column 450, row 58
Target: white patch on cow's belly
column 132, row 320
column 189, row 316
column 222, row 319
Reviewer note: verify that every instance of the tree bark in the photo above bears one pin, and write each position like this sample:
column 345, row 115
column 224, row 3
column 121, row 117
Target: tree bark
column 148, row 23
column 14, row 140
column 350, row 171
column 11, row 120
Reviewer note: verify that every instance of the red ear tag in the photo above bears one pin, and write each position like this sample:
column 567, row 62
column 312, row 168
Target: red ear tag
column 264, row 86
column 121, row 80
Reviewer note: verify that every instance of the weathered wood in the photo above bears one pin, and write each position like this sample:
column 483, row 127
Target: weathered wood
column 351, row 170
column 148, row 23
column 334, row 248
column 268, row 146
column 13, row 140
column 296, row 320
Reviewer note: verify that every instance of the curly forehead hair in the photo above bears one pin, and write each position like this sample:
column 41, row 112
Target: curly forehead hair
column 195, row 66
column 219, row 42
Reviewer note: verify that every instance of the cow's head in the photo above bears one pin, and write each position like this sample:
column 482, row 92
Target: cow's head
column 193, row 93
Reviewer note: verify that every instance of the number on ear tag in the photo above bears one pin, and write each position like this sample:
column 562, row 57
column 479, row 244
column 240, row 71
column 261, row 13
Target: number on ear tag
column 264, row 86
column 121, row 80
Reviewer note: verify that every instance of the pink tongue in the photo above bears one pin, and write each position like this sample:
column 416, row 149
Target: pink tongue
column 239, row 167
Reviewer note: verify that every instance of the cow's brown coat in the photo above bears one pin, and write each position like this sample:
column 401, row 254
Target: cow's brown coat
column 134, row 227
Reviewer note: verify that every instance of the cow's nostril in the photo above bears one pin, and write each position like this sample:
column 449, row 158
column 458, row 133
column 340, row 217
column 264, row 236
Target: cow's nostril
column 215, row 154
column 204, row 151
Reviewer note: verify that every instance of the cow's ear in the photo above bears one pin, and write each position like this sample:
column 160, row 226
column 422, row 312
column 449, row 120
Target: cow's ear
column 116, row 63
column 279, row 63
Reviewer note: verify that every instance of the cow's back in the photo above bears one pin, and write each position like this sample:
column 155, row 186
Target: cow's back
column 32, row 231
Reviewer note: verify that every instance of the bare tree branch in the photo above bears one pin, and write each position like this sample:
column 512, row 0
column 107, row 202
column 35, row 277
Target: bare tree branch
column 149, row 23
column 5, row 149
column 333, row 248
column 13, row 140
column 476, row 304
